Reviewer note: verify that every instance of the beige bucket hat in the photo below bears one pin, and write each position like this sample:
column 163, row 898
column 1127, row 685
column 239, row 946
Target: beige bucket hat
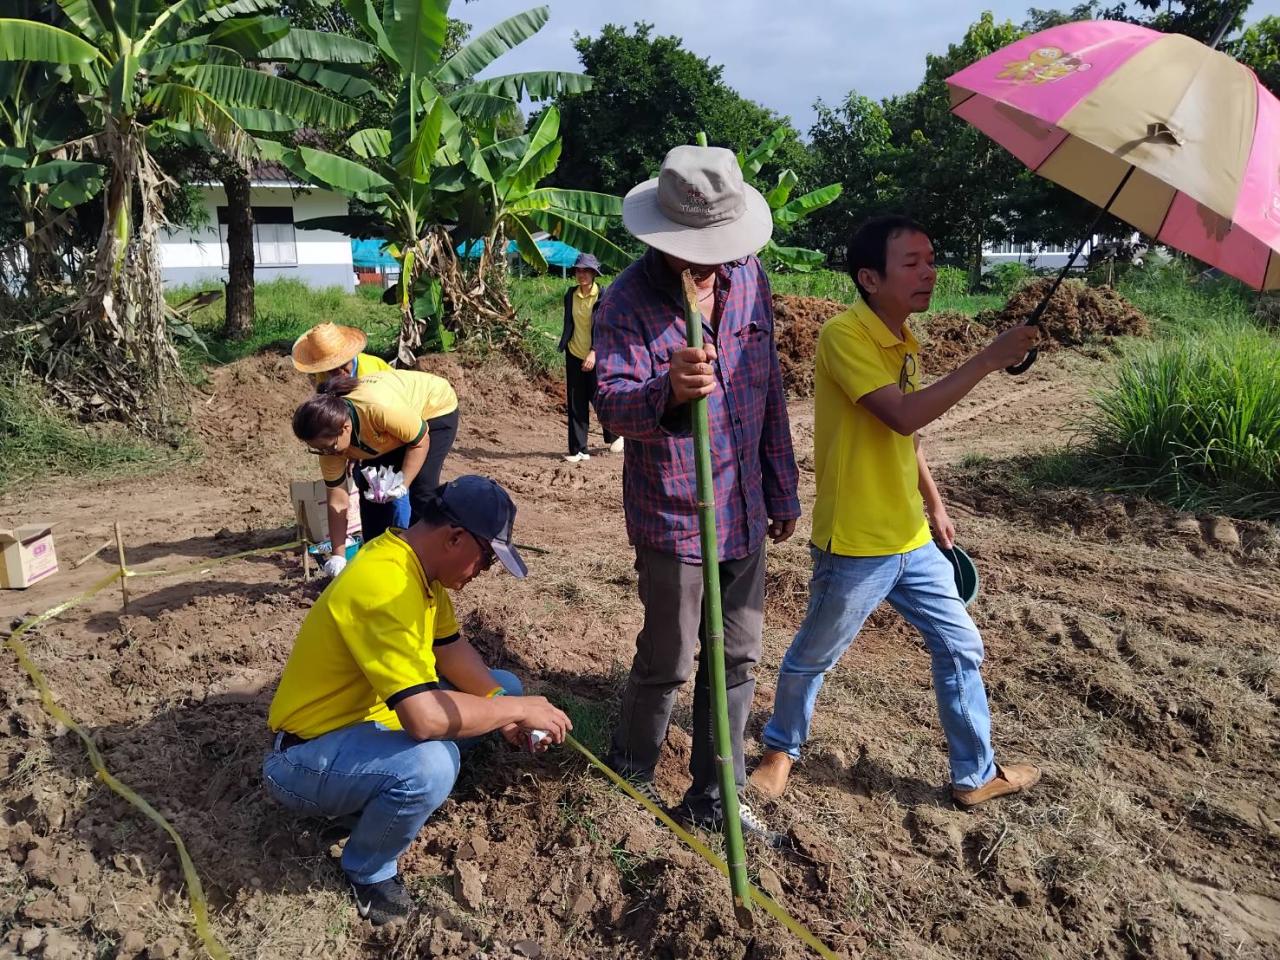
column 327, row 346
column 699, row 208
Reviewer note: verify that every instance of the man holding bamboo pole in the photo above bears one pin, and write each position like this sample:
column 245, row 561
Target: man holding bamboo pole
column 697, row 215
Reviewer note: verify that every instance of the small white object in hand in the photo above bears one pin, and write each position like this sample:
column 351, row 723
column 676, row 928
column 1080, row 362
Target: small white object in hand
column 385, row 484
column 535, row 737
column 335, row 565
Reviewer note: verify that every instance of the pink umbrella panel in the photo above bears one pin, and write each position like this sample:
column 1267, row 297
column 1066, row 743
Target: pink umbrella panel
column 1179, row 140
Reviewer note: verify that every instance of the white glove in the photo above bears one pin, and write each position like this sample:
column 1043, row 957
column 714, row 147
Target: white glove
column 385, row 484
column 335, row 565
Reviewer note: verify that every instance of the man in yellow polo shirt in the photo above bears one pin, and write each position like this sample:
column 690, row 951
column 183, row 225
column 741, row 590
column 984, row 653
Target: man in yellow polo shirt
column 381, row 692
column 876, row 501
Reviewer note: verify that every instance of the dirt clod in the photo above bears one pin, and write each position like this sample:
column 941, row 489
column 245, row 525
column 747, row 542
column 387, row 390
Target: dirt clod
column 468, row 885
column 530, row 949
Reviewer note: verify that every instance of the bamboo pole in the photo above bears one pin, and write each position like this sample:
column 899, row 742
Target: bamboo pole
column 91, row 554
column 124, row 572
column 713, row 618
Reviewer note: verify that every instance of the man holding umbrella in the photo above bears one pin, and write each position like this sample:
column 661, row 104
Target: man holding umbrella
column 876, row 502
column 697, row 215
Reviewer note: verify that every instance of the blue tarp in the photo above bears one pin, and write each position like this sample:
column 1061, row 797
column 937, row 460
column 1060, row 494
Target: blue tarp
column 371, row 253
column 557, row 253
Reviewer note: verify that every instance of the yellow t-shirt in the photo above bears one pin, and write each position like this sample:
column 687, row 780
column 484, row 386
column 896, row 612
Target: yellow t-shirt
column 367, row 365
column 580, row 342
column 366, row 644
column 389, row 410
column 868, row 502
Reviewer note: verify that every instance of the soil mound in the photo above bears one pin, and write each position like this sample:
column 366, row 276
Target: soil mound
column 1077, row 314
column 797, row 322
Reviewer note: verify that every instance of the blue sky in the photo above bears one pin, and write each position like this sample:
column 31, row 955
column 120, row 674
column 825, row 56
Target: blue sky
column 784, row 54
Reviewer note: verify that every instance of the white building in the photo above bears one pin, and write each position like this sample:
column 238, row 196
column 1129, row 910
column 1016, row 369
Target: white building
column 319, row 258
column 1038, row 256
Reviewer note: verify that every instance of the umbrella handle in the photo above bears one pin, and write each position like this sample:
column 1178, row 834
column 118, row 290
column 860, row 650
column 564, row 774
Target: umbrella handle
column 1023, row 365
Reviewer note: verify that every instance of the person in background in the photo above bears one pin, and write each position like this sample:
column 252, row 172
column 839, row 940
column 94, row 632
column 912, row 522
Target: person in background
column 698, row 215
column 580, row 304
column 381, row 695
column 404, row 419
column 876, row 503
column 328, row 349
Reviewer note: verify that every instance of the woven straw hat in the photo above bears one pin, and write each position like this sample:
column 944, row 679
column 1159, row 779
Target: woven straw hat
column 327, row 346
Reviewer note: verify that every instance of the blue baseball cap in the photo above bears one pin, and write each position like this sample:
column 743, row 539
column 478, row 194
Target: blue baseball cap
column 482, row 508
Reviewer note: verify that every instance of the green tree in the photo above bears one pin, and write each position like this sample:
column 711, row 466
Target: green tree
column 650, row 94
column 140, row 70
column 1259, row 50
column 852, row 145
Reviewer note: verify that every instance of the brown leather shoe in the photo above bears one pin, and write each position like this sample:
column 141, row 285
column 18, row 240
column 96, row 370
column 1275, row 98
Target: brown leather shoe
column 1011, row 778
column 769, row 778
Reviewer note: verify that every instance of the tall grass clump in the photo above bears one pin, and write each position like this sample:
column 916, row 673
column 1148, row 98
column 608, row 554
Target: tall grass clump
column 1196, row 422
column 38, row 442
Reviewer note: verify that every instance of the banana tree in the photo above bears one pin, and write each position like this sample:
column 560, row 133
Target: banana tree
column 507, row 174
column 421, row 174
column 140, row 68
column 39, row 183
column 786, row 211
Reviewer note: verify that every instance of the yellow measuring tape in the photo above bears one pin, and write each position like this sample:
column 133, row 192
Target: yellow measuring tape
column 771, row 906
column 195, row 890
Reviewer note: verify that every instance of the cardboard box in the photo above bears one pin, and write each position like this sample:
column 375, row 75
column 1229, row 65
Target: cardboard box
column 311, row 509
column 26, row 556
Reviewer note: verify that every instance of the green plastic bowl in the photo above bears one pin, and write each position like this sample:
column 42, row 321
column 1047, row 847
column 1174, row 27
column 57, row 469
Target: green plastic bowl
column 966, row 573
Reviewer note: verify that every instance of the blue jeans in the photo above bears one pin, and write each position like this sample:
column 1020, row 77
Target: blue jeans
column 385, row 778
column 921, row 586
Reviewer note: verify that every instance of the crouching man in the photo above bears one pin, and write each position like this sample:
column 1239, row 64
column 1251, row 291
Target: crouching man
column 380, row 694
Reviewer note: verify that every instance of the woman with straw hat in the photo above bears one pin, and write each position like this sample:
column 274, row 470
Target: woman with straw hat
column 403, row 419
column 328, row 349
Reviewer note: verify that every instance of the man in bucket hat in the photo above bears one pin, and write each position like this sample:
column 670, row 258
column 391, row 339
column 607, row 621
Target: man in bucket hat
column 381, row 695
column 697, row 215
column 577, row 341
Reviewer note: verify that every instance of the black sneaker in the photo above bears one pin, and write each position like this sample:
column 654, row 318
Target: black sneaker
column 704, row 813
column 382, row 902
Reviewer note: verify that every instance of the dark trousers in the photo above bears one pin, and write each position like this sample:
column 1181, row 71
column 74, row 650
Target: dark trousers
column 375, row 518
column 668, row 644
column 580, row 393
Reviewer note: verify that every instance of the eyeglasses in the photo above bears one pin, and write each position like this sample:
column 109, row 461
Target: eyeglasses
column 331, row 450
column 487, row 556
column 905, row 382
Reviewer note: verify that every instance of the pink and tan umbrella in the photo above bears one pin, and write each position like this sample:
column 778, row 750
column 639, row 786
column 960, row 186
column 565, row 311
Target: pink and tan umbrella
column 1177, row 139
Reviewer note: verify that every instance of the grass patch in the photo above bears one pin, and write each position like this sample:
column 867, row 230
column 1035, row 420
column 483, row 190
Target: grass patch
column 38, row 442
column 592, row 720
column 1194, row 422
column 1178, row 304
column 285, row 309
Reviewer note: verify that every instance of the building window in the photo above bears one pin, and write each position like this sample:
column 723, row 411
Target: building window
column 274, row 244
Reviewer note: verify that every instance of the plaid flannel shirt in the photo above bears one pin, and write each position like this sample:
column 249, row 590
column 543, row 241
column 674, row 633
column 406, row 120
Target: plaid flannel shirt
column 639, row 323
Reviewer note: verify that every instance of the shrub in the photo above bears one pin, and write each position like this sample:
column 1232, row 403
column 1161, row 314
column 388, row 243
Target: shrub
column 952, row 282
column 1196, row 422
column 1006, row 278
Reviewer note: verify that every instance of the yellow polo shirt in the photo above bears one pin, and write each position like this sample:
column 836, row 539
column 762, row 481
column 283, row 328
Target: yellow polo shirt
column 580, row 341
column 366, row 364
column 368, row 642
column 389, row 410
column 868, row 502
